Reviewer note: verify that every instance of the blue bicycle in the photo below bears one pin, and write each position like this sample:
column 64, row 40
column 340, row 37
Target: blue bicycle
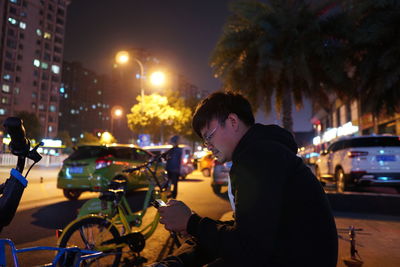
column 10, row 195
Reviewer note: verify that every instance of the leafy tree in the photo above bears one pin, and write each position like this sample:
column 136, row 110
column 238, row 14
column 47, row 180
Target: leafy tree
column 31, row 124
column 377, row 54
column 88, row 139
column 287, row 49
column 158, row 116
column 66, row 140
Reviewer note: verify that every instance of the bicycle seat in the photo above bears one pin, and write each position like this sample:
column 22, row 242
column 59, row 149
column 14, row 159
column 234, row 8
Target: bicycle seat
column 112, row 194
column 118, row 182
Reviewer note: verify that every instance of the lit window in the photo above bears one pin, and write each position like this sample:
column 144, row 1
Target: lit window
column 4, row 100
column 5, row 88
column 66, row 96
column 14, row 1
column 46, row 35
column 62, row 90
column 93, row 106
column 22, row 25
column 99, row 104
column 50, row 129
column 99, row 92
column 95, row 81
column 55, row 69
column 41, row 107
column 16, row 90
column 45, row 65
column 72, row 111
column 2, row 111
column 52, row 108
column 7, row 77
column 12, row 21
column 38, row 32
column 36, row 62
column 81, row 108
column 100, row 113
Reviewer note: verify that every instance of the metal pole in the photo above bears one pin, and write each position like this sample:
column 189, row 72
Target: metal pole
column 141, row 81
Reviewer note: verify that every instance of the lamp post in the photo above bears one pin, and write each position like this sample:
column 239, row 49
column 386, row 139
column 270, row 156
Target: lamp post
column 123, row 57
column 116, row 112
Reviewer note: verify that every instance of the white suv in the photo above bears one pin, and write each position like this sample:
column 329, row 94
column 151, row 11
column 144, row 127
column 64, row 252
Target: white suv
column 362, row 160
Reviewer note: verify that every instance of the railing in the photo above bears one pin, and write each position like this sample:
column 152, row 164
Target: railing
column 7, row 159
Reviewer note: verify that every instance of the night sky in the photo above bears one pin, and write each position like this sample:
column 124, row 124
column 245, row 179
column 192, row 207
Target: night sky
column 181, row 33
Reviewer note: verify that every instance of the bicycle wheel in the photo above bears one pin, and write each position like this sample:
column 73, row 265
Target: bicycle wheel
column 89, row 233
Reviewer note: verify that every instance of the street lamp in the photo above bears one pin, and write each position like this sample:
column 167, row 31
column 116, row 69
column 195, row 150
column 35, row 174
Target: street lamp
column 156, row 78
column 122, row 57
column 116, row 112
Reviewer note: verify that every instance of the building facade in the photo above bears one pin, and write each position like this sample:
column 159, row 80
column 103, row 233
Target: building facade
column 31, row 53
column 84, row 105
column 341, row 118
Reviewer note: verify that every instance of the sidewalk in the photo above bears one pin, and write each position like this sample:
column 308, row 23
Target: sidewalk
column 378, row 243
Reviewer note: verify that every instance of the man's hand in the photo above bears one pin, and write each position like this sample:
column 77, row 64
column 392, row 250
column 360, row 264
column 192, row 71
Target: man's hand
column 175, row 215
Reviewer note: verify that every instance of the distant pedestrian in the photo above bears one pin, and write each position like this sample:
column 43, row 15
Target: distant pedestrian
column 173, row 168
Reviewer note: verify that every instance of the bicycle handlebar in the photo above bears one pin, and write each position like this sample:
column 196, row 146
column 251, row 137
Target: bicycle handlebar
column 148, row 163
column 11, row 191
column 19, row 144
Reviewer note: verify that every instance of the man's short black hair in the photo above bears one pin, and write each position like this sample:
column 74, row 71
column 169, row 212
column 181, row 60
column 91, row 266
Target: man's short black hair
column 218, row 106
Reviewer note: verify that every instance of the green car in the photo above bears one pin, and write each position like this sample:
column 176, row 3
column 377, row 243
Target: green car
column 91, row 168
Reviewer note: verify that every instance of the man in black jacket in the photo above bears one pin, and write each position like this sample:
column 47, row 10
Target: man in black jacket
column 282, row 216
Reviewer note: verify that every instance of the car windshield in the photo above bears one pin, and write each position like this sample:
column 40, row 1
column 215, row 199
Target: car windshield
column 375, row 141
column 85, row 152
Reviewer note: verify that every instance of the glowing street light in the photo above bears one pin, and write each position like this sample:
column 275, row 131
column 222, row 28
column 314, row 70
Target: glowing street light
column 123, row 57
column 157, row 78
column 116, row 112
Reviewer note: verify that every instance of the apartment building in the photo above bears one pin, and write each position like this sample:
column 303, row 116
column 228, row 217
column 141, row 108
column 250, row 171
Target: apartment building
column 31, row 53
column 84, row 105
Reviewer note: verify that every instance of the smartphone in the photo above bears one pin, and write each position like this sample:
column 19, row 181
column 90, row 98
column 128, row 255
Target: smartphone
column 158, row 203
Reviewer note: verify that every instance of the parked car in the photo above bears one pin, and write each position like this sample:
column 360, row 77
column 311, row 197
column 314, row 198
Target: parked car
column 220, row 175
column 363, row 160
column 205, row 164
column 91, row 168
column 187, row 159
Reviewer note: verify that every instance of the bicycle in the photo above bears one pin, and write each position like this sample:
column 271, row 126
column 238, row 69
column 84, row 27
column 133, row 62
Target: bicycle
column 11, row 192
column 108, row 224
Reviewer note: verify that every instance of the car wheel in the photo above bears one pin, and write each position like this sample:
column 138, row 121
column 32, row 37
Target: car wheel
column 341, row 185
column 72, row 194
column 216, row 188
column 206, row 172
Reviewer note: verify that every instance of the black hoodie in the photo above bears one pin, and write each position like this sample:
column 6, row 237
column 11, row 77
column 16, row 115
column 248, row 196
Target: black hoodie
column 282, row 216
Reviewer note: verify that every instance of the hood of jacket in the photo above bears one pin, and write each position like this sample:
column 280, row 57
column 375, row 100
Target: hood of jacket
column 271, row 132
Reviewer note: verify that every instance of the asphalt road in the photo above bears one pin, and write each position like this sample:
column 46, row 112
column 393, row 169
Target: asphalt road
column 43, row 209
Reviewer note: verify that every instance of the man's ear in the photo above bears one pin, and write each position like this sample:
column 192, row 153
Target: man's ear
column 233, row 121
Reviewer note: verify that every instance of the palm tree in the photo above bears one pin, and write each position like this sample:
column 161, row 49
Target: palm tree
column 283, row 48
column 377, row 50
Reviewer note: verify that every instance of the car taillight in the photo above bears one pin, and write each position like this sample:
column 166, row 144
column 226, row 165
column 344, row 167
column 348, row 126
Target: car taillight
column 353, row 154
column 103, row 162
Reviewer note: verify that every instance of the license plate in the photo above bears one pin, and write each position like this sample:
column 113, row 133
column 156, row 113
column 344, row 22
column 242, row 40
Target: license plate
column 385, row 158
column 75, row 169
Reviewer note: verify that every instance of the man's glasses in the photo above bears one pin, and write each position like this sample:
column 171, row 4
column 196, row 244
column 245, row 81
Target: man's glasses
column 207, row 138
